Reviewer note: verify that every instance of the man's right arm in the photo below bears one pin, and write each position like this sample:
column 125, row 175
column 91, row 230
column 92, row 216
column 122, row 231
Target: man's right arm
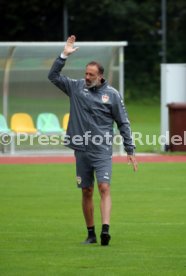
column 61, row 81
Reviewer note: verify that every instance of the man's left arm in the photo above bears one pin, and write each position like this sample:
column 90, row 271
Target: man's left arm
column 121, row 117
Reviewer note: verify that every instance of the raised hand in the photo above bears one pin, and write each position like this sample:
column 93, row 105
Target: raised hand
column 69, row 47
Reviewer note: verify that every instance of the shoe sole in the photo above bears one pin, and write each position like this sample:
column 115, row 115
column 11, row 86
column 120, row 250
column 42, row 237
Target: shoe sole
column 88, row 241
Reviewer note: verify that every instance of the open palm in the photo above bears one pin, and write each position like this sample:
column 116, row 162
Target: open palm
column 69, row 47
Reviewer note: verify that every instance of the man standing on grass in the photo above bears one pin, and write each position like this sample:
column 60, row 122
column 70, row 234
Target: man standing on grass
column 94, row 106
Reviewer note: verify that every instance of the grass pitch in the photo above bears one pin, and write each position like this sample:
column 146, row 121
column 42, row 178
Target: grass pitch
column 42, row 227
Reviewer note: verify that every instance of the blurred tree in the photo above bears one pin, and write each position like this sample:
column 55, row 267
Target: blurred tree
column 176, row 31
column 31, row 20
column 135, row 21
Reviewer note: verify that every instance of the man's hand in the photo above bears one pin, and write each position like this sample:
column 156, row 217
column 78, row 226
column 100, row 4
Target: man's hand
column 132, row 159
column 69, row 47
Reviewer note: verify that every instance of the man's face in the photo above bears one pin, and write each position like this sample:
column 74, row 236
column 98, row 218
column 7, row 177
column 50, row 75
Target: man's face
column 92, row 76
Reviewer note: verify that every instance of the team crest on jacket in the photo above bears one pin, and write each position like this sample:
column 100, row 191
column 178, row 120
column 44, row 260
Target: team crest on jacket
column 105, row 98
